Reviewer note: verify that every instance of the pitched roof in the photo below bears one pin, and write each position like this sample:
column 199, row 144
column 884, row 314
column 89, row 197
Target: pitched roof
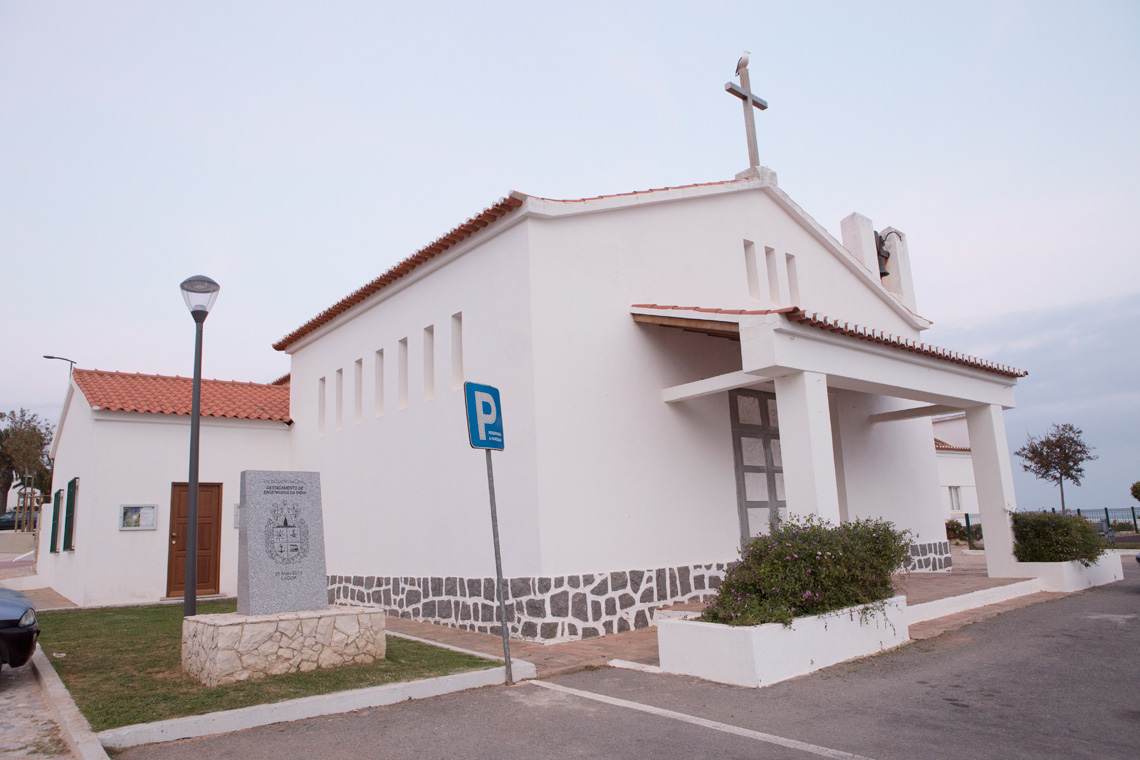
column 500, row 209
column 516, row 199
column 161, row 394
column 829, row 324
column 941, row 445
column 815, row 319
column 424, row 255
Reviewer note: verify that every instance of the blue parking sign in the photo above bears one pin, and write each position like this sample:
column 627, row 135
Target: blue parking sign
column 484, row 416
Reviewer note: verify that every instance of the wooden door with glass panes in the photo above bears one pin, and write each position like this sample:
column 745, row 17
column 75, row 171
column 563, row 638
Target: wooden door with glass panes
column 759, row 462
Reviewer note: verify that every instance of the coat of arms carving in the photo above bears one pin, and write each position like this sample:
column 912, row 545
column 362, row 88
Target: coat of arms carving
column 286, row 535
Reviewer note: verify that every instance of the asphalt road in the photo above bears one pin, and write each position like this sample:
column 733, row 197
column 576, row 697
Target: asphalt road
column 1054, row 680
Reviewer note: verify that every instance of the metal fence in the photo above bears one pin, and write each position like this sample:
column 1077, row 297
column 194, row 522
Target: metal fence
column 1108, row 521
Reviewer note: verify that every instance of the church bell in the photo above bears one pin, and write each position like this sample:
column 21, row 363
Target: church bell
column 883, row 254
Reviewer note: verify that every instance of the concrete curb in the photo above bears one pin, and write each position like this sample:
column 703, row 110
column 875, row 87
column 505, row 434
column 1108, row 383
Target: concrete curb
column 227, row 721
column 77, row 733
column 951, row 605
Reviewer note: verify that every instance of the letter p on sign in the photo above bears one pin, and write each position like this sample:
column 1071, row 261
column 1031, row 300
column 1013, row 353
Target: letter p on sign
column 484, row 416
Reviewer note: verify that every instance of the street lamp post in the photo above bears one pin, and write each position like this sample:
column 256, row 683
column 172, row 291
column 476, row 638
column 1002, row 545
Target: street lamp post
column 70, row 363
column 199, row 292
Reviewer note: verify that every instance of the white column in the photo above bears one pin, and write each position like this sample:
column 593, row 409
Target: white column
column 993, row 477
column 805, row 441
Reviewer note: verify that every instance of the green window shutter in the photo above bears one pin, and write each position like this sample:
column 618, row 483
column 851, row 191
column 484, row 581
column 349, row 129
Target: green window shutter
column 54, row 548
column 69, row 516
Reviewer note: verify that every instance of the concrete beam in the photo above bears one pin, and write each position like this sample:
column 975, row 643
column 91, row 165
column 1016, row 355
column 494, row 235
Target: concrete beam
column 711, row 385
column 915, row 413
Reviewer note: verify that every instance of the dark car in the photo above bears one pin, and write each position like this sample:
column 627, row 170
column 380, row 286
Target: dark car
column 8, row 521
column 18, row 628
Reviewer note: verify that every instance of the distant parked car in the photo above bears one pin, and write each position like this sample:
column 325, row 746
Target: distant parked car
column 18, row 628
column 8, row 521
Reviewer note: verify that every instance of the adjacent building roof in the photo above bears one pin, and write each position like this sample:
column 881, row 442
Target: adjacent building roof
column 830, row 324
column 941, row 445
column 161, row 394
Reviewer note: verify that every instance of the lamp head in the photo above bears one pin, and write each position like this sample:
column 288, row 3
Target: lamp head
column 200, row 292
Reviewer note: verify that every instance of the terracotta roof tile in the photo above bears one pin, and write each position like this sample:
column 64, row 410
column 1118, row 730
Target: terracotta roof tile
column 161, row 394
column 424, row 255
column 819, row 321
column 639, row 192
column 941, row 445
column 457, row 235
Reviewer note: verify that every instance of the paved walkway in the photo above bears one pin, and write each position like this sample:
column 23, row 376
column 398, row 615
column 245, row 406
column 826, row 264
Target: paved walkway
column 968, row 574
column 26, row 725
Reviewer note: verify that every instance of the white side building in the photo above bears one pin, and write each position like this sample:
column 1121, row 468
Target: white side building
column 114, row 529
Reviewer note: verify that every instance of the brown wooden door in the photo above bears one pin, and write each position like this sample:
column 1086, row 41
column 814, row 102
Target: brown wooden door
column 209, row 538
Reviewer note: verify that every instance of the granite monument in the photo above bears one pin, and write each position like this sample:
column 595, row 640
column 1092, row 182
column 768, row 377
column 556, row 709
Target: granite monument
column 281, row 543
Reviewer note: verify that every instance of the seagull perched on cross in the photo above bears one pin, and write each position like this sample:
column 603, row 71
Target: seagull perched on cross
column 742, row 63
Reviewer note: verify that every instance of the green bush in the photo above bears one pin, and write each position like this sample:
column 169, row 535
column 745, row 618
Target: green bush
column 1047, row 537
column 1122, row 526
column 956, row 531
column 807, row 567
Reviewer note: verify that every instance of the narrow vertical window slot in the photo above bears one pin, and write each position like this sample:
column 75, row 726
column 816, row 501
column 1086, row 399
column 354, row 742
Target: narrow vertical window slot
column 456, row 351
column 358, row 391
column 339, row 399
column 402, row 360
column 379, row 400
column 752, row 267
column 773, row 278
column 793, row 280
column 429, row 362
column 321, row 406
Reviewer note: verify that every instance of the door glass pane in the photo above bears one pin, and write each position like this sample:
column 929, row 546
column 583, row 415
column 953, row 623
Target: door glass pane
column 779, row 486
column 777, row 455
column 748, row 408
column 758, row 521
column 752, row 451
column 773, row 417
column 756, row 486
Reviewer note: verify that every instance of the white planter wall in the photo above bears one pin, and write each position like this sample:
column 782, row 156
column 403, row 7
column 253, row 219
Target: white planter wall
column 766, row 654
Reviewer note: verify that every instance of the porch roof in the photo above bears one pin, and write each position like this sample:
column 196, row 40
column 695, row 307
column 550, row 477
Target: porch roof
column 725, row 323
column 780, row 342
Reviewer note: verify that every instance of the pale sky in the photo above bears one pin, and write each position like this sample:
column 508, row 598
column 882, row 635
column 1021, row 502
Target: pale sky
column 294, row 151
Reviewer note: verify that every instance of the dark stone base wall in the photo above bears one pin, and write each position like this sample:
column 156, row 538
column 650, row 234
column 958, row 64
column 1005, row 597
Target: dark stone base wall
column 930, row 557
column 541, row 609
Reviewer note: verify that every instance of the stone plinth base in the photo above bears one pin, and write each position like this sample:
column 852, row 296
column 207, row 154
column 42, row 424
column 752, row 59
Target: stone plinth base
column 221, row 649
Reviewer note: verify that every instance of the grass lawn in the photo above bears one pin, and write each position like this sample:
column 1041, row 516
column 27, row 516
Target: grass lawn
column 123, row 666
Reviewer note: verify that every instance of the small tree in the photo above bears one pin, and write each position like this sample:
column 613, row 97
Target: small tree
column 1057, row 456
column 1136, row 490
column 24, row 441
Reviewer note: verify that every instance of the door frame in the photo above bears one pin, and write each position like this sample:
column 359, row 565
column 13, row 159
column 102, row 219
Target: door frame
column 173, row 536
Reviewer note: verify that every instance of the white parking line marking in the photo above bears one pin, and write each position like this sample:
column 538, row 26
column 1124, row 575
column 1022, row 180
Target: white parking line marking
column 736, row 730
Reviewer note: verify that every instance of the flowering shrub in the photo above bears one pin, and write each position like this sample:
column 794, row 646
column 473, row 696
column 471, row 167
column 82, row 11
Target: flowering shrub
column 807, row 567
column 956, row 531
column 1047, row 537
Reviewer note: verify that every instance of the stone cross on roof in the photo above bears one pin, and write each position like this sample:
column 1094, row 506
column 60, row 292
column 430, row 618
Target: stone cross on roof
column 744, row 92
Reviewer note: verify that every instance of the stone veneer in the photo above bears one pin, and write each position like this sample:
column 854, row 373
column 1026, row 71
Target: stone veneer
column 930, row 557
column 221, row 649
column 544, row 609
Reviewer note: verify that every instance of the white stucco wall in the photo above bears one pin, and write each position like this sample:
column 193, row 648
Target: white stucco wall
column 598, row 473
column 129, row 458
column 627, row 480
column 403, row 492
column 889, row 467
column 956, row 469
